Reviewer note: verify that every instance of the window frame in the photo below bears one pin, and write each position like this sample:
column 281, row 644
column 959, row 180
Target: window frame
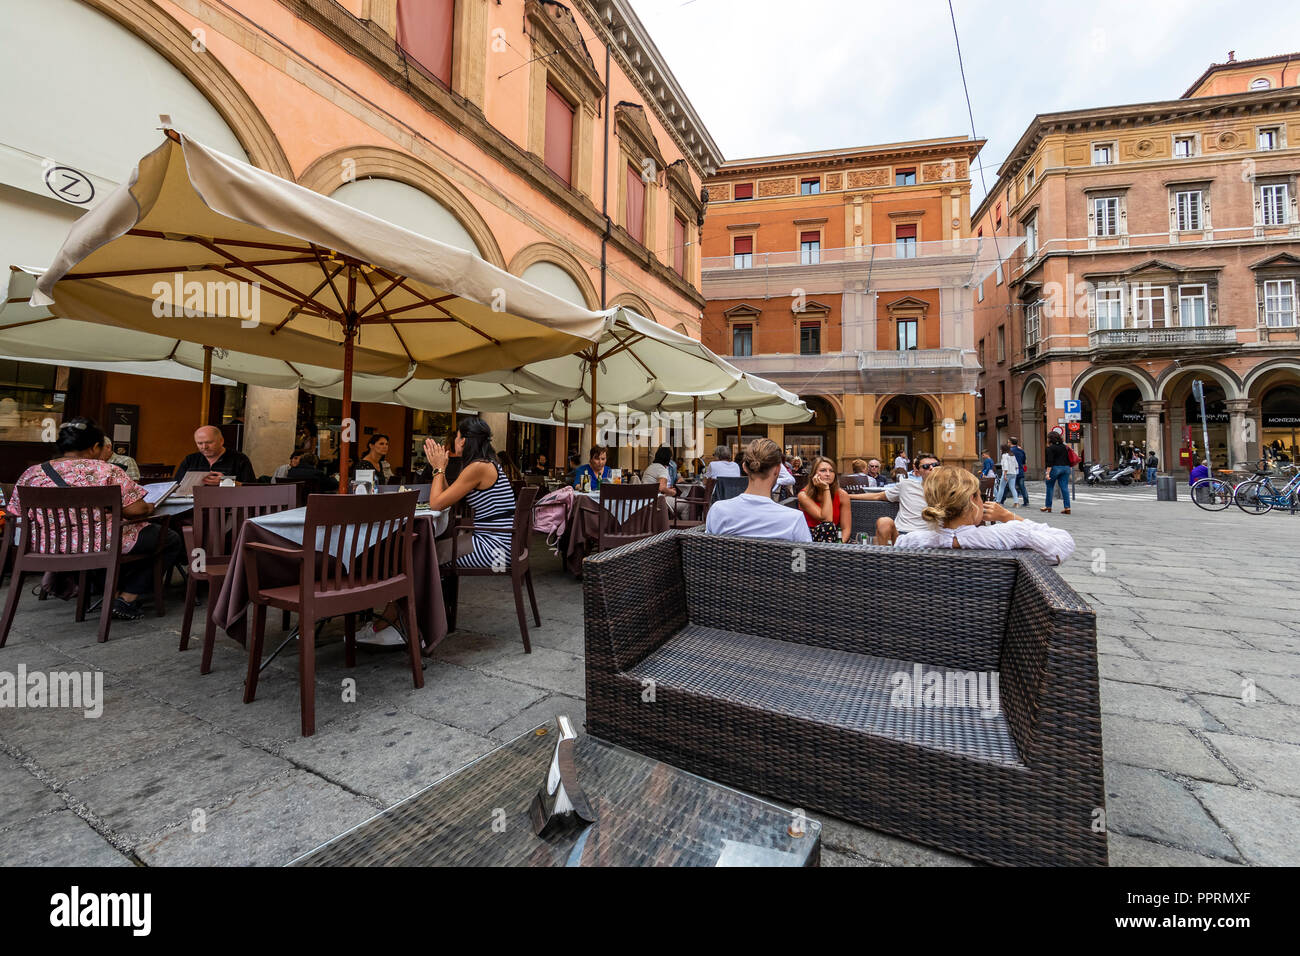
column 1283, row 207
column 901, row 246
column 911, row 325
column 1097, row 219
column 1197, row 208
column 736, row 257
column 1033, row 323
column 632, row 173
column 904, row 172
column 1113, row 294
column 1290, row 296
column 813, row 181
column 1192, row 142
column 1274, row 132
column 815, row 327
column 1002, row 344
column 1145, row 293
column 735, row 192
column 1110, row 149
column 745, row 327
column 1204, row 297
column 810, row 256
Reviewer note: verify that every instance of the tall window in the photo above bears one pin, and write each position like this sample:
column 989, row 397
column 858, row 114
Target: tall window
column 679, row 245
column 742, row 252
column 1002, row 393
column 1105, row 212
column 980, row 353
column 424, row 31
column 810, row 338
column 1002, row 344
column 905, row 242
column 1279, row 302
column 907, row 334
column 635, row 203
column 1274, row 199
column 1031, row 238
column 1269, row 137
column 810, row 187
column 744, row 191
column 1033, row 323
column 1029, row 180
column 1193, row 305
column 1108, row 308
column 559, row 135
column 1184, row 147
column 810, row 248
column 1103, row 154
column 905, row 177
column 742, row 340
column 1187, row 206
column 1150, row 306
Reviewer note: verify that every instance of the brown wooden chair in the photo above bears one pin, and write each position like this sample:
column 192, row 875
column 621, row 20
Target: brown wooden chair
column 93, row 517
column 520, row 572
column 987, row 487
column 696, row 505
column 219, row 516
column 632, row 508
column 376, row 531
column 457, row 540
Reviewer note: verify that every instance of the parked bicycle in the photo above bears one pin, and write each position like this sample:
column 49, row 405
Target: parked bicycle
column 1213, row 494
column 1258, row 495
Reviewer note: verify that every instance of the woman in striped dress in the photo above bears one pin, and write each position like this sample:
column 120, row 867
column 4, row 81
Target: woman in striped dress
column 481, row 483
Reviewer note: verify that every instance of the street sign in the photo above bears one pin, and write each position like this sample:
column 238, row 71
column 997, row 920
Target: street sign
column 1074, row 410
column 1073, row 431
column 1058, row 430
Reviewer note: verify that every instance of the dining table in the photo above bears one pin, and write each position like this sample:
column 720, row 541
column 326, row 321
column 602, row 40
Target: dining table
column 287, row 529
column 586, row 518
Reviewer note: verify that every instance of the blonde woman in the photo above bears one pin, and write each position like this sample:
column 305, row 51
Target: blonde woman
column 955, row 514
column 825, row 505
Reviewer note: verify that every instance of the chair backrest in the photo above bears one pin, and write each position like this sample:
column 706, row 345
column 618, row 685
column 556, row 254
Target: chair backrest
column 71, row 526
column 632, row 508
column 523, row 528
column 220, row 513
column 728, row 487
column 367, row 536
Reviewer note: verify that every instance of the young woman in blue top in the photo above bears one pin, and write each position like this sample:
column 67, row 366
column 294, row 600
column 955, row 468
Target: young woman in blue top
column 595, row 470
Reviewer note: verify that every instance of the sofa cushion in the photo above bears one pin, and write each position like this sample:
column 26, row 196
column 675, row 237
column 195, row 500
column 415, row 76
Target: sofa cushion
column 839, row 688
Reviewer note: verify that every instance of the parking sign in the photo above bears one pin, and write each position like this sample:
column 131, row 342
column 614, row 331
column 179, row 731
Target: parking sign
column 1073, row 409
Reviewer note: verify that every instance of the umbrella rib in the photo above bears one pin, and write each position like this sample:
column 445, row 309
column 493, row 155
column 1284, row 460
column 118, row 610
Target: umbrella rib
column 379, row 296
column 299, row 305
column 19, row 325
column 626, row 346
column 293, row 313
column 242, row 243
column 329, row 279
column 292, row 294
column 159, row 270
column 396, row 331
column 437, row 304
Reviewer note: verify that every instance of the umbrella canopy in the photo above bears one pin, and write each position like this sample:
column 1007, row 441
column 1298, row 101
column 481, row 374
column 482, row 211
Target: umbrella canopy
column 202, row 247
column 633, row 358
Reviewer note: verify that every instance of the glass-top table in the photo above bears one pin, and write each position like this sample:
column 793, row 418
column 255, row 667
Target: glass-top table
column 647, row 814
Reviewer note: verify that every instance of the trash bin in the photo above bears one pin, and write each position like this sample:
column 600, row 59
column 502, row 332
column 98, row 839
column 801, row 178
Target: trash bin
column 1166, row 488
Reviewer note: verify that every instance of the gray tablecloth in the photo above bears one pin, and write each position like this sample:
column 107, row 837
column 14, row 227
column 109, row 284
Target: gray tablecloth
column 586, row 517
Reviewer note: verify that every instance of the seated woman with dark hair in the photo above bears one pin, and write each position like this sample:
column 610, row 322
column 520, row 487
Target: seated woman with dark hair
column 482, row 482
column 825, row 505
column 80, row 465
column 595, row 471
column 658, row 472
column 754, row 514
column 956, row 514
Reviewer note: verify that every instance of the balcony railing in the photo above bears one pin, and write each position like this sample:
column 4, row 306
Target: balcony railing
column 912, row 372
column 1182, row 335
column 911, row 358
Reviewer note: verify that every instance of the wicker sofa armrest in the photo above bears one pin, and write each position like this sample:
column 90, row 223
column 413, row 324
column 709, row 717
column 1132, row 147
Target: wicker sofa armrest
column 634, row 599
column 1048, row 664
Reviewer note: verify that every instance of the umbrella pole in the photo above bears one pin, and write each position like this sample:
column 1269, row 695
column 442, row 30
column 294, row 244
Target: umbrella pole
column 349, row 334
column 564, row 453
column 739, row 440
column 455, row 402
column 205, row 396
column 695, row 428
column 593, row 403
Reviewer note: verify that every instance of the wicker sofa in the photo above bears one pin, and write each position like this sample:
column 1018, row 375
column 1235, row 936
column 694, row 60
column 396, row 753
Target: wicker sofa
column 865, row 513
column 773, row 668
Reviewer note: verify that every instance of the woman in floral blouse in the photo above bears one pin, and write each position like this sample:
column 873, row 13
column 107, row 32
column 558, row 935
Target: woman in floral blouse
column 81, row 443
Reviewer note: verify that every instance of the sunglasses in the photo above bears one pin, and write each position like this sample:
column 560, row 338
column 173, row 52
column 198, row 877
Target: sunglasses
column 928, row 467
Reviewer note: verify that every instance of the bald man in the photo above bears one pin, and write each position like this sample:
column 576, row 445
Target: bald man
column 214, row 458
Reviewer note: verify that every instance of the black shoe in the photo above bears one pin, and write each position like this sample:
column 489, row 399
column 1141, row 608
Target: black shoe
column 126, row 610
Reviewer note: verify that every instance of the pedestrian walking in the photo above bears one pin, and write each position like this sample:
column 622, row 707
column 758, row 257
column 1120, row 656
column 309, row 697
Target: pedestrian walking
column 1057, row 459
column 1153, row 465
column 1007, row 480
column 1019, row 454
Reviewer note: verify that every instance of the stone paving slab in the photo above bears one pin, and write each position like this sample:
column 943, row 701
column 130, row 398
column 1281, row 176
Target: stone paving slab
column 1196, row 772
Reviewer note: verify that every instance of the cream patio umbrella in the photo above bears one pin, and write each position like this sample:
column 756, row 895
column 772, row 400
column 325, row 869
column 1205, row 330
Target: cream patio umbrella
column 201, row 247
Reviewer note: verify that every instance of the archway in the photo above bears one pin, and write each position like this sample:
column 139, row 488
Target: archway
column 634, row 302
column 1184, row 414
column 1280, row 421
column 906, row 428
column 343, row 167
column 1033, row 421
column 1128, row 424
column 408, row 207
column 557, row 271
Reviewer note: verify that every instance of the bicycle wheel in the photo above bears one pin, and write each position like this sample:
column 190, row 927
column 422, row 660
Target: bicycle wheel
column 1254, row 497
column 1212, row 494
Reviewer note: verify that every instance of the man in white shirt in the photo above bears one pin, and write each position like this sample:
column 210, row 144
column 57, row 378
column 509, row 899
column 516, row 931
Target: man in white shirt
column 754, row 514
column 910, row 497
column 722, row 466
column 900, row 461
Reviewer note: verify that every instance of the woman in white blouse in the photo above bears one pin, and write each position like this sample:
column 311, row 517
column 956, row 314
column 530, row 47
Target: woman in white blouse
column 956, row 514
column 1007, row 480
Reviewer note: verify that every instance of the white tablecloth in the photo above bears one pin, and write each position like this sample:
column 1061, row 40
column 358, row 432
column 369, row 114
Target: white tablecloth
column 292, row 525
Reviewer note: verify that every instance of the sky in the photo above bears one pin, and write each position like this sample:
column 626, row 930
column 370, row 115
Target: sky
column 774, row 76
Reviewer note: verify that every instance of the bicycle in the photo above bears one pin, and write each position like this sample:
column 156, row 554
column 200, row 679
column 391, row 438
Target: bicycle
column 1259, row 495
column 1213, row 494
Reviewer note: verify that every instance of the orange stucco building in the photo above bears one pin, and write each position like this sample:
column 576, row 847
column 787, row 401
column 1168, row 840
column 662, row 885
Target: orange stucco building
column 842, row 274
column 550, row 139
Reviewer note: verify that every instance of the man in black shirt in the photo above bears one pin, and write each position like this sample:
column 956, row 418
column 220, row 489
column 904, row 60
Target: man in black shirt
column 216, row 460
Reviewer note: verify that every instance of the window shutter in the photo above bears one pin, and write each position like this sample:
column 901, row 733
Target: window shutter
column 744, row 191
column 424, row 31
column 810, row 237
column 559, row 136
column 679, row 245
column 743, row 245
column 905, row 232
column 635, row 224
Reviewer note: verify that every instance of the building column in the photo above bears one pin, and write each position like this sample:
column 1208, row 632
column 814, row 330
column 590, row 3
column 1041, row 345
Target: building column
column 1238, row 452
column 1152, row 411
column 1103, row 438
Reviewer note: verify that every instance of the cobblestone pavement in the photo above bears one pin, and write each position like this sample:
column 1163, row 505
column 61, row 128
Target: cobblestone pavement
column 1192, row 608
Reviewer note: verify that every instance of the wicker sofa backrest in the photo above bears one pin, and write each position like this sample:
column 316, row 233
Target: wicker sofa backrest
column 943, row 608
column 634, row 599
